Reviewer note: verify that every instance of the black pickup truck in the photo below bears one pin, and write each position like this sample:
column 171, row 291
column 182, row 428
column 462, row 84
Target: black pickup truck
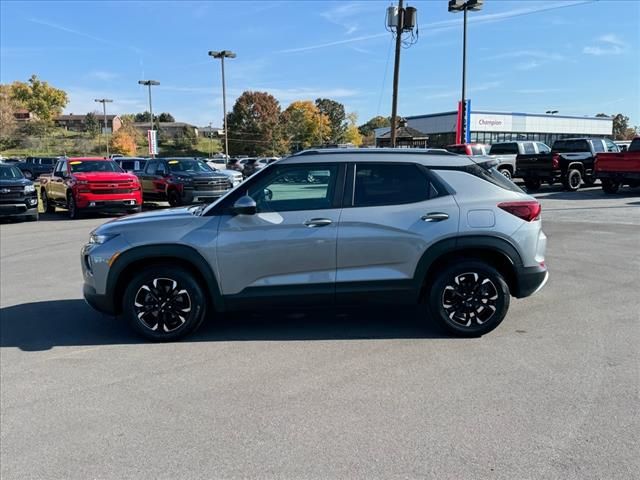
column 33, row 167
column 571, row 161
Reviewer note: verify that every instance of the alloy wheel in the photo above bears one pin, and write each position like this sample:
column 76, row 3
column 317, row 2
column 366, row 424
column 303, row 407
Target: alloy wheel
column 162, row 305
column 470, row 298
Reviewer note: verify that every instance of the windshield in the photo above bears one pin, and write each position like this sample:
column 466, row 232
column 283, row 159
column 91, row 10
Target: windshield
column 188, row 166
column 569, row 146
column 79, row 166
column 9, row 173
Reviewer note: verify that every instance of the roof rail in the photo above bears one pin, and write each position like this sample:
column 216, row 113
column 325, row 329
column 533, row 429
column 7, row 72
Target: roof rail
column 380, row 151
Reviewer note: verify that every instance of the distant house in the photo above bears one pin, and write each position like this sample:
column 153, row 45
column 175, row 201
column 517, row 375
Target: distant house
column 170, row 129
column 406, row 137
column 23, row 115
column 209, row 132
column 76, row 123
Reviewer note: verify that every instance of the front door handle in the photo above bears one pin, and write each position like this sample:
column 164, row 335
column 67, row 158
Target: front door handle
column 317, row 222
column 435, row 217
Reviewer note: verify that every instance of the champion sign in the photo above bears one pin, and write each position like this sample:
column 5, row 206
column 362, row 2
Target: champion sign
column 490, row 123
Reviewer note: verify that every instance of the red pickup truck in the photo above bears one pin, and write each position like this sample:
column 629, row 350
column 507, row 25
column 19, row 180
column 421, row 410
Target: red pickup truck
column 90, row 184
column 617, row 169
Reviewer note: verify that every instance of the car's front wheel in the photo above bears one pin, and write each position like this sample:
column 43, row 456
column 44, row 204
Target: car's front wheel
column 573, row 180
column 532, row 184
column 610, row 186
column 164, row 303
column 469, row 299
column 506, row 172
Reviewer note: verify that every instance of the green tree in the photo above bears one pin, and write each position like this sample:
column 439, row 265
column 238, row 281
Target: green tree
column 91, row 124
column 166, row 117
column 304, row 125
column 40, row 98
column 367, row 129
column 186, row 138
column 620, row 125
column 253, row 125
column 337, row 118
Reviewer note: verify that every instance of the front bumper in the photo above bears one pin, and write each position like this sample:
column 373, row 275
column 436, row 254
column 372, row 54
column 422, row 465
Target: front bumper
column 530, row 280
column 28, row 206
column 110, row 205
column 201, row 196
column 101, row 303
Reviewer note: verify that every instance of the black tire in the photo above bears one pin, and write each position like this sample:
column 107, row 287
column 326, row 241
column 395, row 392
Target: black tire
column 34, row 217
column 506, row 172
column 72, row 208
column 466, row 293
column 174, row 198
column 572, row 180
column 156, row 284
column 610, row 186
column 589, row 181
column 532, row 184
column 47, row 206
column 135, row 210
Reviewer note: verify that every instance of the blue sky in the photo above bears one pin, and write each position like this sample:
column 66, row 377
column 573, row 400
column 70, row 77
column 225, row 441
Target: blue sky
column 578, row 57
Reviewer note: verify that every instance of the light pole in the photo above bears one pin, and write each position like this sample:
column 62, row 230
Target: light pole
column 222, row 55
column 104, row 102
column 463, row 6
column 150, row 83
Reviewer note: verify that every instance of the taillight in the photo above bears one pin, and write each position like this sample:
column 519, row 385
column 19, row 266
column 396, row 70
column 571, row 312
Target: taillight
column 555, row 162
column 528, row 210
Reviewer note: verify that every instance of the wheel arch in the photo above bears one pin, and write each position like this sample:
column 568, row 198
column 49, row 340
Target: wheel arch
column 131, row 261
column 496, row 251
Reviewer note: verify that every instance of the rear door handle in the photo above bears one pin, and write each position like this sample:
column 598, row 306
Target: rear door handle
column 435, row 217
column 317, row 222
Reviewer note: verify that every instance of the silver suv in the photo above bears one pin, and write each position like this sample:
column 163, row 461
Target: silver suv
column 378, row 226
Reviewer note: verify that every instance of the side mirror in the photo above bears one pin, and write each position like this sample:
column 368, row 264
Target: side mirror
column 245, row 206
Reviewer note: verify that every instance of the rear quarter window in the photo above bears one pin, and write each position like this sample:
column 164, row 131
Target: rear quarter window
column 489, row 173
column 571, row 146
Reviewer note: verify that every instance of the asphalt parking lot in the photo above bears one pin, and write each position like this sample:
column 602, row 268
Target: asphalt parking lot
column 554, row 392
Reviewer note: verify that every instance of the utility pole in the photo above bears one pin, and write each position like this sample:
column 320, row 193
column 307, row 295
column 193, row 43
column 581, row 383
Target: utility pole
column 396, row 75
column 399, row 21
column 210, row 140
column 150, row 83
column 104, row 102
column 222, row 55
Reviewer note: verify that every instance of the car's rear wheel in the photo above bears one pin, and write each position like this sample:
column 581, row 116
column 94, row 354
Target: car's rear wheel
column 469, row 299
column 532, row 184
column 610, row 186
column 72, row 208
column 506, row 172
column 164, row 303
column 47, row 206
column 573, row 180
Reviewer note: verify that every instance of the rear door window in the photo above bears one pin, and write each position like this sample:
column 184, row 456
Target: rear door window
column 390, row 184
column 151, row 167
column 504, row 149
column 528, row 148
column 542, row 148
column 598, row 147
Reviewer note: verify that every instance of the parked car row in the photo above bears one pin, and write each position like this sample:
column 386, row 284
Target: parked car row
column 571, row 161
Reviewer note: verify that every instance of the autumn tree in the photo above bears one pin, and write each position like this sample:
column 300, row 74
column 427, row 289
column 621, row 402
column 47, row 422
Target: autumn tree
column 367, row 129
column 304, row 125
column 334, row 111
column 621, row 130
column 8, row 124
column 91, row 124
column 253, row 125
column 40, row 98
column 352, row 134
column 123, row 142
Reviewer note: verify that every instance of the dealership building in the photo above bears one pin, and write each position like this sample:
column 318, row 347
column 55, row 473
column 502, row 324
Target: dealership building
column 492, row 127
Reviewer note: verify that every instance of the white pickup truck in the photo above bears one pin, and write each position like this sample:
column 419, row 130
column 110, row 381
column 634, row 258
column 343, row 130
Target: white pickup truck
column 505, row 153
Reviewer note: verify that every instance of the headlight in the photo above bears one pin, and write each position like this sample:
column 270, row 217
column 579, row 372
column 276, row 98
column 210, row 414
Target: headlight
column 100, row 239
column 29, row 189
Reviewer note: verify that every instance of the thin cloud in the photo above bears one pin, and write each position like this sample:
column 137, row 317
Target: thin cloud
column 346, row 15
column 537, row 91
column 609, row 44
column 474, row 89
column 102, row 75
column 530, row 65
column 63, row 28
column 533, row 54
column 434, row 27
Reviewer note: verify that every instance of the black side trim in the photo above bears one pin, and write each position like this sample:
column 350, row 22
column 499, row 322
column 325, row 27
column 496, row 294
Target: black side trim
column 384, row 292
column 160, row 251
column 285, row 296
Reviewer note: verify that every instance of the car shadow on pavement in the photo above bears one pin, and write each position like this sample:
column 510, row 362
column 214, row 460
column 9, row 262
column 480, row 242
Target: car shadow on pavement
column 43, row 325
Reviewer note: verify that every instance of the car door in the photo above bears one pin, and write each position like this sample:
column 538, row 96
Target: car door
column 287, row 249
column 58, row 190
column 146, row 179
column 394, row 212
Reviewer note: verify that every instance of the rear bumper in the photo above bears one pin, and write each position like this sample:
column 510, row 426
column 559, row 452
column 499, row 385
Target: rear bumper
column 619, row 175
column 101, row 303
column 530, row 280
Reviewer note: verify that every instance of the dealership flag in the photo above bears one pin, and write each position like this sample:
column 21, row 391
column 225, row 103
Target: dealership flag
column 152, row 137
